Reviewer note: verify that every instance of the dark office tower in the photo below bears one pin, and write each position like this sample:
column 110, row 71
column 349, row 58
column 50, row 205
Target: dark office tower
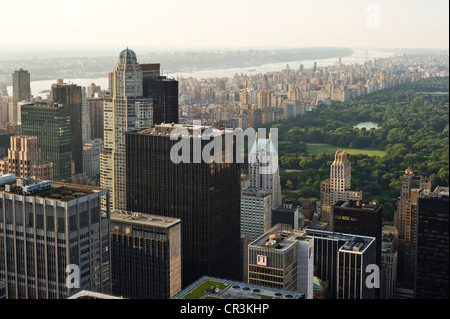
column 341, row 261
column 50, row 123
column 205, row 196
column 163, row 91
column 95, row 107
column 70, row 95
column 431, row 278
column 21, row 91
column 145, row 256
column 360, row 218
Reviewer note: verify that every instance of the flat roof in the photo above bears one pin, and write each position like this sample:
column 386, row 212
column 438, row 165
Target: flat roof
column 280, row 238
column 86, row 294
column 216, row 288
column 143, row 219
column 59, row 191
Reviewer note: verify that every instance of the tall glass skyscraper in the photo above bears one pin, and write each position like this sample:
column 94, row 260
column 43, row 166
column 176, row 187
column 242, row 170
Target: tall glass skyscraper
column 50, row 123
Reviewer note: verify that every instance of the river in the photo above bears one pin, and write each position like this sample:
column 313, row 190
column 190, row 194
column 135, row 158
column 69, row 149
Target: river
column 358, row 56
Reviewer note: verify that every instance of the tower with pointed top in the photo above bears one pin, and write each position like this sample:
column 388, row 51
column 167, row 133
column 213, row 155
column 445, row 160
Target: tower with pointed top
column 125, row 110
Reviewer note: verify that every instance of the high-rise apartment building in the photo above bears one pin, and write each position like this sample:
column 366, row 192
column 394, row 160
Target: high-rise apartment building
column 264, row 170
column 405, row 220
column 256, row 212
column 282, row 258
column 163, row 91
column 70, row 95
column 125, row 110
column 21, row 91
column 431, row 280
column 24, row 160
column 204, row 195
column 338, row 186
column 50, row 123
column 44, row 228
column 145, row 256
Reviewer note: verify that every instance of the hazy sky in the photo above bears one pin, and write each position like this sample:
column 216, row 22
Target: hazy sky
column 111, row 25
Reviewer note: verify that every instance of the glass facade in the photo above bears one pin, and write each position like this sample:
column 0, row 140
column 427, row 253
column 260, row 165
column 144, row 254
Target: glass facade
column 51, row 125
column 206, row 197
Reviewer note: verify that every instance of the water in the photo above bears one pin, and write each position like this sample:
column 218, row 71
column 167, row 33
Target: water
column 359, row 56
column 367, row 125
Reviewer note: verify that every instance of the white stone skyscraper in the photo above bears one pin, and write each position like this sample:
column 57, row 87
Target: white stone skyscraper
column 125, row 110
column 264, row 170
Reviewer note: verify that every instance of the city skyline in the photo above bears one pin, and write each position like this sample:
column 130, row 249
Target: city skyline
column 236, row 24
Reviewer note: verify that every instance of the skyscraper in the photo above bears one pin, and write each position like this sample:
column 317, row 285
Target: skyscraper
column 263, row 168
column 431, row 280
column 24, row 159
column 145, row 255
column 405, row 220
column 45, row 227
column 282, row 258
column 339, row 187
column 163, row 91
column 21, row 91
column 50, row 123
column 256, row 212
column 70, row 95
column 125, row 110
column 341, row 261
column 204, row 195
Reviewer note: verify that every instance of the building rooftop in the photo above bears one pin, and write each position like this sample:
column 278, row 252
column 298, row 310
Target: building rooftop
column 86, row 294
column 280, row 237
column 46, row 189
column 358, row 204
column 260, row 192
column 143, row 219
column 216, row 288
column 351, row 242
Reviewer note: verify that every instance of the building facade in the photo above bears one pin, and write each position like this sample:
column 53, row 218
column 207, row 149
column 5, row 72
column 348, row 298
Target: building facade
column 91, row 156
column 125, row 110
column 145, row 256
column 431, row 280
column 50, row 123
column 282, row 258
column 204, row 195
column 341, row 261
column 405, row 220
column 264, row 169
column 24, row 160
column 338, row 185
column 21, row 91
column 51, row 227
column 163, row 91
column 256, row 212
column 70, row 95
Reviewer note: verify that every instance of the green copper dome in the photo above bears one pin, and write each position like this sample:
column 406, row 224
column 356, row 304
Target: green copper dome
column 127, row 54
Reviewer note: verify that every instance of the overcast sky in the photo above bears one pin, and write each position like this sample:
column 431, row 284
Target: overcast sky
column 176, row 24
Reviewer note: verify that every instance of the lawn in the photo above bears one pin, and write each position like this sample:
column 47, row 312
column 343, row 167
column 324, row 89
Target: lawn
column 200, row 291
column 318, row 149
